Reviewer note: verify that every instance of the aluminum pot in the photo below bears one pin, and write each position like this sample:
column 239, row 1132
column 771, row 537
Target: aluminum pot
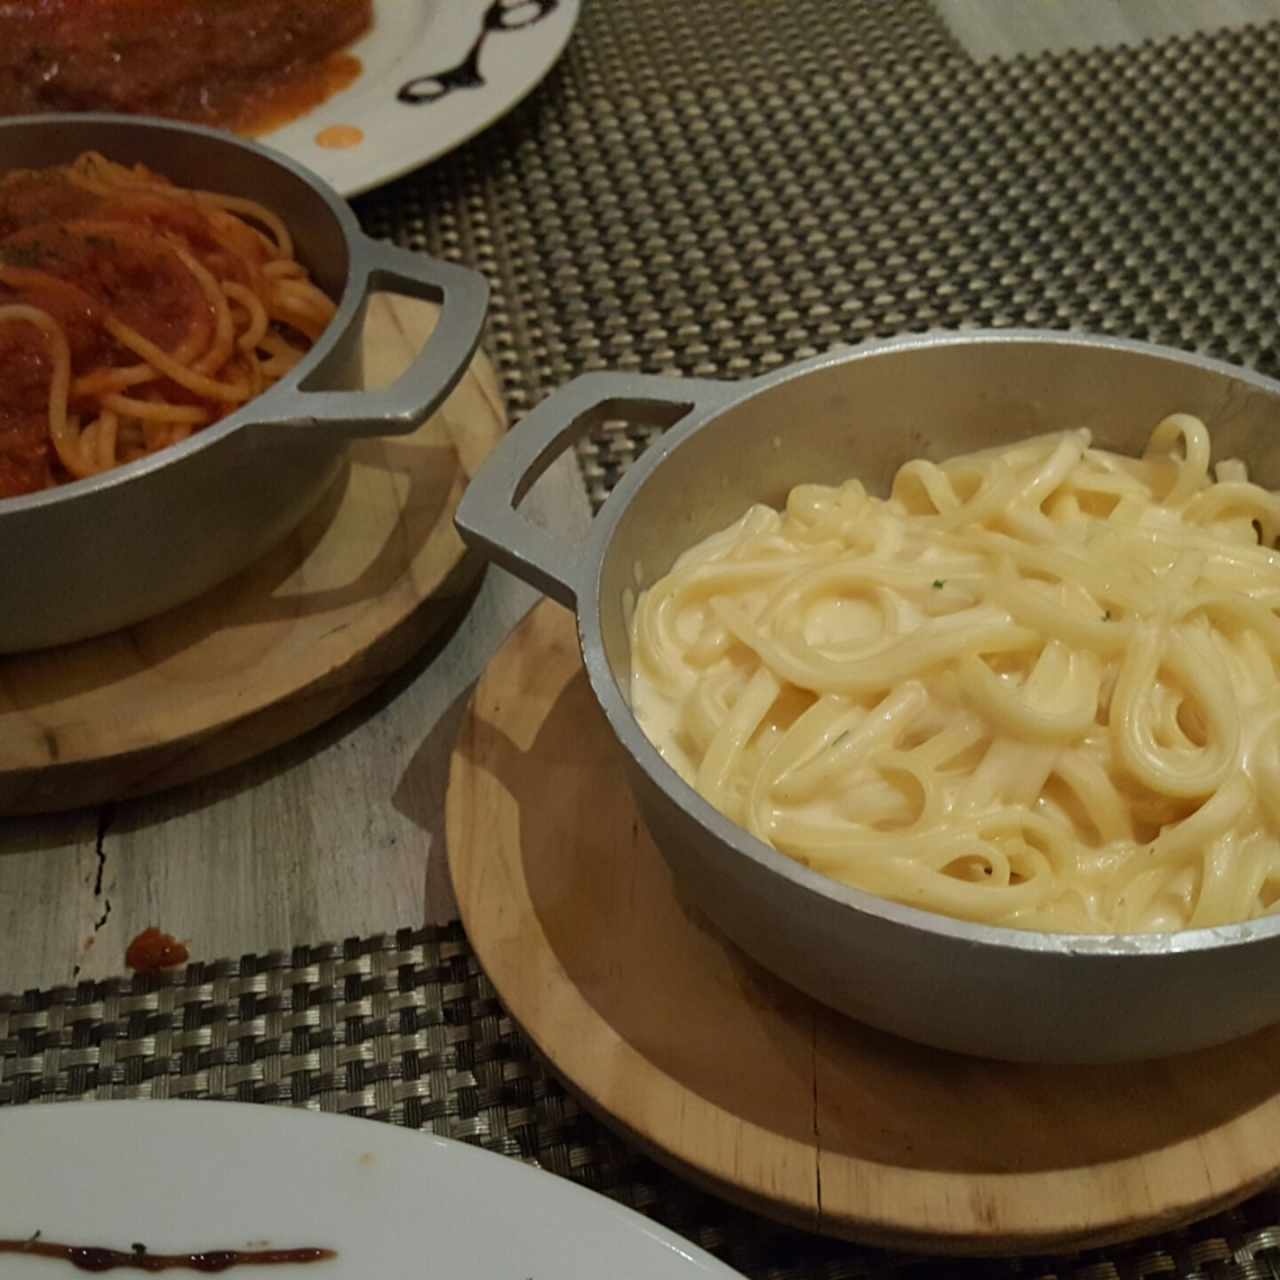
column 977, row 989
column 101, row 553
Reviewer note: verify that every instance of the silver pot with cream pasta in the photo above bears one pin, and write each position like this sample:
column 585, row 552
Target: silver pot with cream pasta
column 945, row 674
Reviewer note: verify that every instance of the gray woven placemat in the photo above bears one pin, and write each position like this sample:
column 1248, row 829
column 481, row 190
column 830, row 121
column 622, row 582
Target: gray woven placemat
column 720, row 187
column 717, row 187
column 406, row 1029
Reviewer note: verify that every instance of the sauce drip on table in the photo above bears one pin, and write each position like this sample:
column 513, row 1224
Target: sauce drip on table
column 153, row 950
column 211, row 1261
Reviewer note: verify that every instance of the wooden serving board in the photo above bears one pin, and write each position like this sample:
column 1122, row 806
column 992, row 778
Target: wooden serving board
column 758, row 1093
column 373, row 573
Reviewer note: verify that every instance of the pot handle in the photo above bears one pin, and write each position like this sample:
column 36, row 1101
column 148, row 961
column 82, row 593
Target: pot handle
column 487, row 516
column 463, row 297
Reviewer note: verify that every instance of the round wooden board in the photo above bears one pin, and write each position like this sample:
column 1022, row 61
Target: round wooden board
column 758, row 1093
column 365, row 581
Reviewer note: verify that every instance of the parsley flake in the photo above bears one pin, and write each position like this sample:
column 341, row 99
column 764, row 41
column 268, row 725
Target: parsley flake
column 22, row 255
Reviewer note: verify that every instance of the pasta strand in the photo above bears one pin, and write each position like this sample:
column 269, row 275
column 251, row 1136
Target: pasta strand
column 1033, row 687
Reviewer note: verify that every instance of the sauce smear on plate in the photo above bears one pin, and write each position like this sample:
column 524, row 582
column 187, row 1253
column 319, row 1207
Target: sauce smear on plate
column 340, row 137
column 211, row 1261
column 278, row 104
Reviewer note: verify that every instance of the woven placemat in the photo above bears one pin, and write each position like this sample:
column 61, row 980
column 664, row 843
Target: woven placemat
column 720, row 187
column 717, row 188
column 406, row 1028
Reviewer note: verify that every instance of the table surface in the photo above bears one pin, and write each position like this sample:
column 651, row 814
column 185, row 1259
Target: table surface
column 338, row 834
column 330, row 836
column 333, row 836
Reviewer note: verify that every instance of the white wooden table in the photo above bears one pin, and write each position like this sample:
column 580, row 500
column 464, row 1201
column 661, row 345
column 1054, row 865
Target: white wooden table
column 338, row 833
column 328, row 837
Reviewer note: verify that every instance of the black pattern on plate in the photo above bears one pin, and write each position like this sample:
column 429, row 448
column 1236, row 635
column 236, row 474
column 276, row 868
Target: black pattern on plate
column 501, row 15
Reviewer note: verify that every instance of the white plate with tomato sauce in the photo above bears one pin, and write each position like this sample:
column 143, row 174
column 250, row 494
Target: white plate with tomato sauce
column 274, row 1193
column 433, row 73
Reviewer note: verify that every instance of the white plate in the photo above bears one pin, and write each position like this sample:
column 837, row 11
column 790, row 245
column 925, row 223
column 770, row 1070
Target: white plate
column 412, row 43
column 188, row 1176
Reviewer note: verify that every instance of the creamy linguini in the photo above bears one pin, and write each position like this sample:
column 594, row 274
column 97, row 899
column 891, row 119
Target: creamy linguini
column 1034, row 687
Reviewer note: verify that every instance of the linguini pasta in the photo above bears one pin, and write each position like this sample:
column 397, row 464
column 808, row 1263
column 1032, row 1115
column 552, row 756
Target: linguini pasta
column 1035, row 687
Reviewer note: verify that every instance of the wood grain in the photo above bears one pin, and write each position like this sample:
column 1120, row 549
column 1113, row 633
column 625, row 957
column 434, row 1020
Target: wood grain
column 766, row 1097
column 361, row 585
column 337, row 833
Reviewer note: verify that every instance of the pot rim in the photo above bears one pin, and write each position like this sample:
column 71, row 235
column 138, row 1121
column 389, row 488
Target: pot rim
column 1150, row 947
column 259, row 406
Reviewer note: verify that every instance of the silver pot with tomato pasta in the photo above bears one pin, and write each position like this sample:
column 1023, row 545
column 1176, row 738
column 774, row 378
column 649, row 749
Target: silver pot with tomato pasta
column 180, row 316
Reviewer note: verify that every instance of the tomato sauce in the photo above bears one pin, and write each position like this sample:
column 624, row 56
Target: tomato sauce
column 297, row 94
column 153, row 950
column 234, row 63
column 78, row 256
column 135, row 312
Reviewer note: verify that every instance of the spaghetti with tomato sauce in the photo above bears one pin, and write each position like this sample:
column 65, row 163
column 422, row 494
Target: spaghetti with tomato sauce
column 134, row 312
